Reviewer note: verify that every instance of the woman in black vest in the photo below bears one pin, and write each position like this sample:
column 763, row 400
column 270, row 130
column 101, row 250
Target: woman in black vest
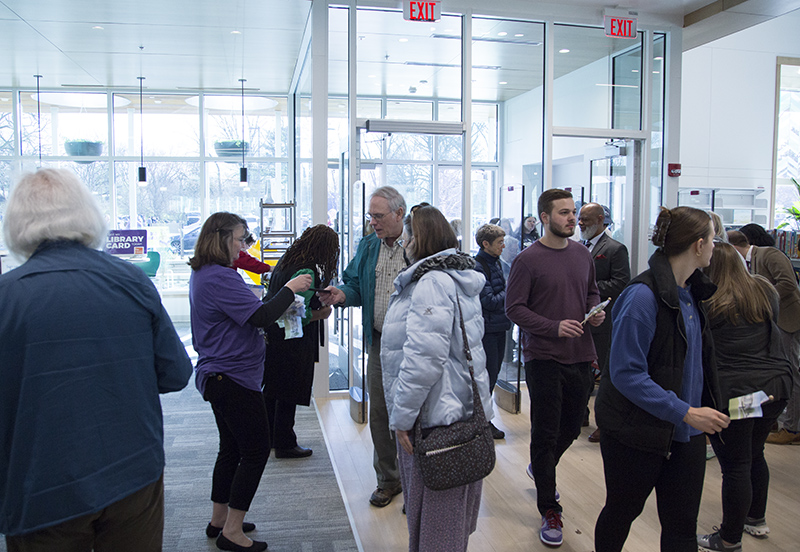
column 662, row 392
column 750, row 357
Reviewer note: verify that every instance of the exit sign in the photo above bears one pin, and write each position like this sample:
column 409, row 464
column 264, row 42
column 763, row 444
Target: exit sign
column 620, row 23
column 430, row 10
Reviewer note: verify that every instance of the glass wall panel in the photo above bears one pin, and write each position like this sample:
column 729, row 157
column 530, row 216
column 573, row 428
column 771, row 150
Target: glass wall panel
column 171, row 125
column 409, row 146
column 511, row 57
column 408, row 59
column 787, row 153
column 596, row 77
column 413, row 181
column 657, row 126
column 413, row 111
column 6, row 124
column 448, row 196
column 5, row 190
column 74, row 124
column 265, row 122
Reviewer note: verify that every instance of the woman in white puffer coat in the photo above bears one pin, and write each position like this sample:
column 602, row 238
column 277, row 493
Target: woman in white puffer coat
column 425, row 373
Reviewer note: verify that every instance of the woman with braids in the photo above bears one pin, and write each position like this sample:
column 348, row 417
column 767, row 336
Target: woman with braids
column 661, row 394
column 289, row 366
column 226, row 318
column 743, row 315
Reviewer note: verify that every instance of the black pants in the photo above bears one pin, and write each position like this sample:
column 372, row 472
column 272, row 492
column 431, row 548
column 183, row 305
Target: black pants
column 281, row 422
column 631, row 475
column 132, row 524
column 243, row 441
column 745, row 475
column 494, row 344
column 558, row 394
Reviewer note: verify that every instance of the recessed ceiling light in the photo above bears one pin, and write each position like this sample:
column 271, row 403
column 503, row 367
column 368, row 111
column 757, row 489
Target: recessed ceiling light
column 433, row 29
column 236, row 32
column 403, row 40
column 97, row 28
column 634, row 70
column 157, row 101
column 4, row 99
column 656, row 72
column 658, row 58
column 518, row 35
column 563, row 51
column 503, row 82
column 503, row 33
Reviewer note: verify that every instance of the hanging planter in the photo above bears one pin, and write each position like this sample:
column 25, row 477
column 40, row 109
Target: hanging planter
column 83, row 148
column 231, row 148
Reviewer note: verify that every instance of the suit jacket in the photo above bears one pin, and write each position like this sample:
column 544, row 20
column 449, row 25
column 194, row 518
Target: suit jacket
column 612, row 271
column 776, row 267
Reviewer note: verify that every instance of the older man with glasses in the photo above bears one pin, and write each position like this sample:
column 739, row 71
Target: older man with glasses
column 368, row 282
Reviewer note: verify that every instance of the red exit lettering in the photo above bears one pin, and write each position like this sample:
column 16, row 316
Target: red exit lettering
column 620, row 28
column 422, row 11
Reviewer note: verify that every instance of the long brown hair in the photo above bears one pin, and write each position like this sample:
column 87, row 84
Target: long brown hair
column 677, row 229
column 317, row 246
column 739, row 295
column 212, row 245
column 432, row 233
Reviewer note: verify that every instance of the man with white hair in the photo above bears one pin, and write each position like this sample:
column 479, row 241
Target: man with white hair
column 368, row 283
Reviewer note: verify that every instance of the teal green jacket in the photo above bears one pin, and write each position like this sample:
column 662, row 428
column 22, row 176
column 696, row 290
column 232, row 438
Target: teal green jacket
column 359, row 281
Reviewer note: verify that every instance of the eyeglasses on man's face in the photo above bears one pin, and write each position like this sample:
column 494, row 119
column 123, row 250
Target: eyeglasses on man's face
column 377, row 217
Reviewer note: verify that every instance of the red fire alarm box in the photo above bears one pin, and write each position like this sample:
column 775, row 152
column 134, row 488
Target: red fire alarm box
column 674, row 169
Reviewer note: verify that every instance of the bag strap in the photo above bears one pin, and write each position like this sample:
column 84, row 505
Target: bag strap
column 477, row 405
column 478, row 414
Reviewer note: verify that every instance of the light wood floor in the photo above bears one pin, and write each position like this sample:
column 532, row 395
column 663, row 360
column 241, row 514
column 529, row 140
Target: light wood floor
column 508, row 519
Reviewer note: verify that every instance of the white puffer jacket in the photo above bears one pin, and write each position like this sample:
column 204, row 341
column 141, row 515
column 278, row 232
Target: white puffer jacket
column 422, row 352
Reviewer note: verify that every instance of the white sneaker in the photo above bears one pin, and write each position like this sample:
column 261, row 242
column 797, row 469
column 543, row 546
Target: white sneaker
column 756, row 527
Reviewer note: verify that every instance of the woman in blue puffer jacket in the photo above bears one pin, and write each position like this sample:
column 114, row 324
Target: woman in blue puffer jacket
column 425, row 373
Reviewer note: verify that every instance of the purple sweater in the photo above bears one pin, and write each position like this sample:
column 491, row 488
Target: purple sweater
column 546, row 286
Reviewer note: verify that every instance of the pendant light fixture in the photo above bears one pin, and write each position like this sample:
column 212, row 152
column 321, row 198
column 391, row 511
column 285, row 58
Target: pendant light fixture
column 243, row 169
column 142, row 169
column 39, row 117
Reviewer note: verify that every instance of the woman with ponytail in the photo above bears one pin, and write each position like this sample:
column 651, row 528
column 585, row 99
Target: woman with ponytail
column 661, row 394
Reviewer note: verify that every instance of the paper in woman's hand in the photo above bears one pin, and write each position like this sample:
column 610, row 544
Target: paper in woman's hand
column 595, row 310
column 747, row 406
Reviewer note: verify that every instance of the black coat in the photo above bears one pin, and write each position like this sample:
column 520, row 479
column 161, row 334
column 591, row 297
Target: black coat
column 289, row 364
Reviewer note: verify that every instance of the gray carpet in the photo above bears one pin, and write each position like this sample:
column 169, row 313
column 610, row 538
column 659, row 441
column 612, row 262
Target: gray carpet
column 298, row 506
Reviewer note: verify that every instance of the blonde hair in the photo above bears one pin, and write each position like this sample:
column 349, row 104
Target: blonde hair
column 52, row 205
column 739, row 295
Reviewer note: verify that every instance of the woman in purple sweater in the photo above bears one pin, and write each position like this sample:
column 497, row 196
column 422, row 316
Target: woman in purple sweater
column 226, row 333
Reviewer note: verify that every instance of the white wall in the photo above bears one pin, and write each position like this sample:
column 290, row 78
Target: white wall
column 728, row 106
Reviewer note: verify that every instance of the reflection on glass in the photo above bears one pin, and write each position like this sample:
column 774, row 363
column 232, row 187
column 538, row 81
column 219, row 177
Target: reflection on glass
column 79, row 120
column 265, row 125
column 171, row 126
column 405, row 58
column 595, row 78
column 6, row 125
column 657, row 125
column 413, row 181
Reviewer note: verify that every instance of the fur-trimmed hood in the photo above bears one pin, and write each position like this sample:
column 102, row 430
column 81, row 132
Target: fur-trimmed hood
column 459, row 266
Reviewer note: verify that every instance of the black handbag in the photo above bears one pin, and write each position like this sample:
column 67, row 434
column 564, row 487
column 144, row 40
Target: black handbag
column 462, row 452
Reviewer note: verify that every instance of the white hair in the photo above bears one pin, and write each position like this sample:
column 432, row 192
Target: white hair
column 50, row 205
column 396, row 201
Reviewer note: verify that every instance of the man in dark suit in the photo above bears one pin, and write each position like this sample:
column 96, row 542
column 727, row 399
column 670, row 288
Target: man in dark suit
column 612, row 272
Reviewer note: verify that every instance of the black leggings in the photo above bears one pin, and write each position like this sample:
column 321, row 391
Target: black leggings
column 632, row 474
column 243, row 441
